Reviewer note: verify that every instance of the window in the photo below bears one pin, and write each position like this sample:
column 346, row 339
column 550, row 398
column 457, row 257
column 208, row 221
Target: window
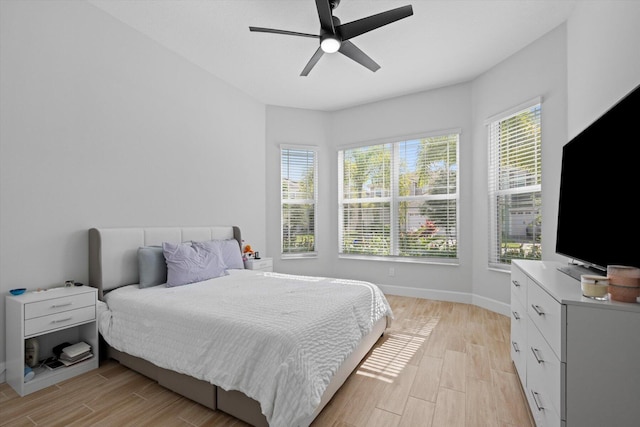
column 515, row 191
column 299, row 177
column 400, row 199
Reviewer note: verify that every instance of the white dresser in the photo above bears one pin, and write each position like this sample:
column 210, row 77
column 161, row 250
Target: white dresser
column 578, row 359
column 52, row 317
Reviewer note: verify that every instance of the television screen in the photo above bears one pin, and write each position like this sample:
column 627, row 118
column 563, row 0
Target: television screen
column 598, row 217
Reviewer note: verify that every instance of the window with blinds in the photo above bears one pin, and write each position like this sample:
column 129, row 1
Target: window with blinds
column 400, row 199
column 515, row 190
column 299, row 177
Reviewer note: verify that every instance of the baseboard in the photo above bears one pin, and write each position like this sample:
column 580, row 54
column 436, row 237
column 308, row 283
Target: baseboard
column 462, row 297
column 438, row 295
column 492, row 305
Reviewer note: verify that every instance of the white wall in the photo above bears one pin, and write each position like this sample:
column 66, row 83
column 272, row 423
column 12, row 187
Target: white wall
column 425, row 112
column 100, row 126
column 537, row 70
column 297, row 127
column 603, row 58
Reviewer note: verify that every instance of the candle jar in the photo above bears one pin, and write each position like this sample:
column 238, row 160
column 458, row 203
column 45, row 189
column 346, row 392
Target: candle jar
column 595, row 287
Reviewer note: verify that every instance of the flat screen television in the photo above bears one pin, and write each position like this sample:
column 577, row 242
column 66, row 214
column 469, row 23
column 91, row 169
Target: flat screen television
column 598, row 214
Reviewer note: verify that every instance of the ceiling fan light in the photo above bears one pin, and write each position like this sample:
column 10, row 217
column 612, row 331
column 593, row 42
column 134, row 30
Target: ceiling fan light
column 330, row 45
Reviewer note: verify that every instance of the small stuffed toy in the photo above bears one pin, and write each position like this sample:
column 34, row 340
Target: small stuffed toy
column 247, row 252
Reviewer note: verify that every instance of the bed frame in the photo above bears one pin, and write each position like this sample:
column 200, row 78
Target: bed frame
column 113, row 263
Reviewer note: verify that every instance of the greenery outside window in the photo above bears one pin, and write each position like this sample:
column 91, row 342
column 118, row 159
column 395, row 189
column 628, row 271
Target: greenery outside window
column 299, row 177
column 400, row 199
column 515, row 190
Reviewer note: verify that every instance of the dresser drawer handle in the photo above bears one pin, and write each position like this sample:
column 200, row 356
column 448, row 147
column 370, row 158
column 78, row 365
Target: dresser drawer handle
column 538, row 309
column 61, row 305
column 515, row 346
column 66, row 319
column 515, row 283
column 535, row 399
column 515, row 315
column 535, row 354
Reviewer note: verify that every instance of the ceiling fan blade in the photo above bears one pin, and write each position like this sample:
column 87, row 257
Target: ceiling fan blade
column 286, row 33
column 361, row 26
column 325, row 15
column 350, row 50
column 314, row 59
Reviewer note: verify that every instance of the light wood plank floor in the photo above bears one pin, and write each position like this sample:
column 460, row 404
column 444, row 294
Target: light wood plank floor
column 440, row 364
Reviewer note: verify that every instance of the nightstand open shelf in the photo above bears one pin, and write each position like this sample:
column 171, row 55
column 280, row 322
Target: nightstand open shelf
column 52, row 317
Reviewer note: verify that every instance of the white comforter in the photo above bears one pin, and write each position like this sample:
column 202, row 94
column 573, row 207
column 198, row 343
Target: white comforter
column 277, row 338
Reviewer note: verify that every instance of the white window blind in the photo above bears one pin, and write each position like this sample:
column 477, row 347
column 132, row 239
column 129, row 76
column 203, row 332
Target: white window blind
column 400, row 199
column 299, row 169
column 515, row 191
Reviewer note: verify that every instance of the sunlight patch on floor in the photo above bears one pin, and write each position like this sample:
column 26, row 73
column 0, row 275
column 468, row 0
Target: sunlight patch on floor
column 386, row 361
column 423, row 328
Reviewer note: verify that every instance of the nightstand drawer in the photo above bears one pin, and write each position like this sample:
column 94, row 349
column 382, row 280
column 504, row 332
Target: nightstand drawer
column 43, row 324
column 265, row 264
column 58, row 305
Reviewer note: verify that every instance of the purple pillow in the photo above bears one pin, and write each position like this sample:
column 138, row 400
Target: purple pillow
column 231, row 254
column 229, row 251
column 192, row 262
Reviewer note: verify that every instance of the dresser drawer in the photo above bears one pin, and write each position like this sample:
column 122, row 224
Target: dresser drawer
column 544, row 371
column 58, row 305
column 43, row 324
column 546, row 313
column 518, row 285
column 543, row 416
column 519, row 338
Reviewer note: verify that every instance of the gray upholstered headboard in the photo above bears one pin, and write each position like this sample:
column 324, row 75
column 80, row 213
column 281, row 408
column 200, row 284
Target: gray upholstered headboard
column 113, row 252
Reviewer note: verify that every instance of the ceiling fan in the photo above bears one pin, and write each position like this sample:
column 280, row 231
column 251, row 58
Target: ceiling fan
column 335, row 37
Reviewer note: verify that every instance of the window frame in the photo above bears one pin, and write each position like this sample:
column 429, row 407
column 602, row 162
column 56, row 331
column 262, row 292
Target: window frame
column 494, row 254
column 308, row 254
column 394, row 199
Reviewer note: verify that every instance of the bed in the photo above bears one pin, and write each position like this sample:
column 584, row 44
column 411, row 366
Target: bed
column 267, row 348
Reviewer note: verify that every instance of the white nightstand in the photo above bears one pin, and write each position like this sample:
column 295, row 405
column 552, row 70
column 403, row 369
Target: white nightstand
column 53, row 317
column 262, row 264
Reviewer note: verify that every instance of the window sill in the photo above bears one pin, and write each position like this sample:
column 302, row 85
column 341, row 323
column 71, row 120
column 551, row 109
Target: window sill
column 307, row 255
column 500, row 269
column 431, row 261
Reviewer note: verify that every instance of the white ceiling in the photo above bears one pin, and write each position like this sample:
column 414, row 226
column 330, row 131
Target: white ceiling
column 443, row 43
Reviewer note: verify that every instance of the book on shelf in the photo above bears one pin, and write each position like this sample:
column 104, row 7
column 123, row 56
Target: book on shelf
column 75, row 353
column 77, row 359
column 75, row 350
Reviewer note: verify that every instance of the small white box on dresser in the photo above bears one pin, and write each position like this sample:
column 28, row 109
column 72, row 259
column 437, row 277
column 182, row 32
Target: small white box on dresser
column 262, row 264
column 53, row 317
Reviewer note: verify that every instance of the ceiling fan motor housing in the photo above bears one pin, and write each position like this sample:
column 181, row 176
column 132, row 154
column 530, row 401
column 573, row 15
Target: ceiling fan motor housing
column 330, row 42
